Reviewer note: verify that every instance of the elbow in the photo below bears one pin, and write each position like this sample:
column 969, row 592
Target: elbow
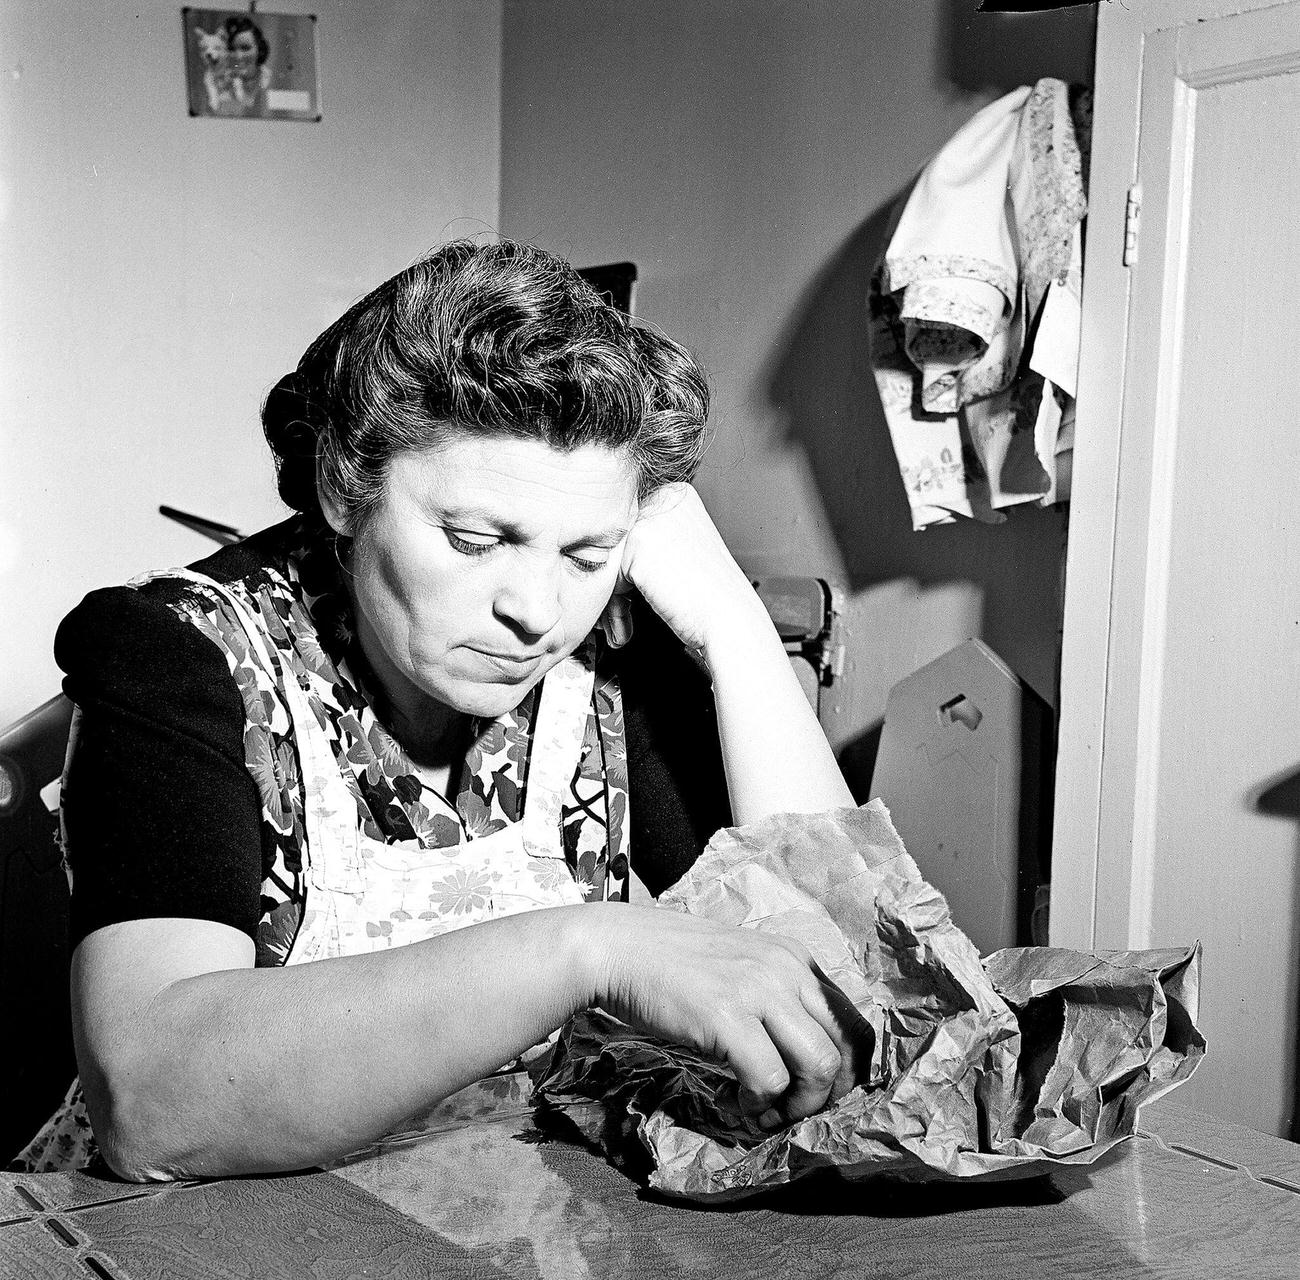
column 134, row 1161
column 137, row 1133
column 131, row 1144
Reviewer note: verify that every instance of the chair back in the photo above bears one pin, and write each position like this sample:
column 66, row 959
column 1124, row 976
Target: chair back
column 36, row 1058
column 965, row 766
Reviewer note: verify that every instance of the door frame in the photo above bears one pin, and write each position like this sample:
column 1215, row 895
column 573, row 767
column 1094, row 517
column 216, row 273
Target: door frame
column 1118, row 553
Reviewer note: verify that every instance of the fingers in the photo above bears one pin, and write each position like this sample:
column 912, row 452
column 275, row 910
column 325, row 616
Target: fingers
column 812, row 1062
column 801, row 1056
column 753, row 1000
column 667, row 497
column 759, row 1067
column 616, row 621
column 853, row 1035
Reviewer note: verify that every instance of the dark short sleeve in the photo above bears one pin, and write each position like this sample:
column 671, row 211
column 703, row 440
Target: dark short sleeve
column 162, row 817
column 677, row 788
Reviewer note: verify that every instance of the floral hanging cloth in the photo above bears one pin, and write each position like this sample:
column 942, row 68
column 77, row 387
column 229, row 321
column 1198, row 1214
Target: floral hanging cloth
column 975, row 310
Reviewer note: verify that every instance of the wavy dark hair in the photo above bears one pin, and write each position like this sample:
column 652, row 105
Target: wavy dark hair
column 237, row 25
column 500, row 338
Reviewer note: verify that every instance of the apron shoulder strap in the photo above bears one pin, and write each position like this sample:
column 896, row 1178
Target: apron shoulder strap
column 325, row 793
column 558, row 735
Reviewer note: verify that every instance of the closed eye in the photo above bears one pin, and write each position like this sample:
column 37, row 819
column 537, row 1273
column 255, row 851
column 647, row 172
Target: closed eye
column 586, row 566
column 468, row 543
column 471, row 546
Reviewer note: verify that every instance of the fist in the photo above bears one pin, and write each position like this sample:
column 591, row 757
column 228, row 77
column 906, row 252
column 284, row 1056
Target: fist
column 676, row 558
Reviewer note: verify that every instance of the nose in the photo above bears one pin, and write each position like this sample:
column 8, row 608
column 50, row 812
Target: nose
column 529, row 599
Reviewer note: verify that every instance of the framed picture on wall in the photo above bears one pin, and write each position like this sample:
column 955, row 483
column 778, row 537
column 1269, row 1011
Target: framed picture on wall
column 256, row 66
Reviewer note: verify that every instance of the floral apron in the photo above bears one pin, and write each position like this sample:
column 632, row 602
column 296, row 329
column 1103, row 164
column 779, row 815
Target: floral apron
column 359, row 887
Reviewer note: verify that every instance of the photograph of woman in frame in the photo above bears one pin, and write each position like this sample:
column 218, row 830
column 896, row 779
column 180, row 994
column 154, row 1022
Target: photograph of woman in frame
column 253, row 65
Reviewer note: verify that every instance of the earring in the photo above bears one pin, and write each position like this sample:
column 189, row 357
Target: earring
column 339, row 552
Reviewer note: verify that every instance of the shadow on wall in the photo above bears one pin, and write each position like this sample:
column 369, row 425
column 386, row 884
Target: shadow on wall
column 1279, row 797
column 998, row 51
column 820, row 382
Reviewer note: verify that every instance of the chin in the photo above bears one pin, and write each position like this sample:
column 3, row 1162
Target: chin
column 487, row 699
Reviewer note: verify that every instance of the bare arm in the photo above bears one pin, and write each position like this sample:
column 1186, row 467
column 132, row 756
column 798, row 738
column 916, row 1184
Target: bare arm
column 196, row 1063
column 776, row 757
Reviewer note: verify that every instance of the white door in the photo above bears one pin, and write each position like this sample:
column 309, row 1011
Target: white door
column 1180, row 701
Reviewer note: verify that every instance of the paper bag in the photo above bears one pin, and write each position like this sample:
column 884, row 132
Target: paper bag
column 989, row 1068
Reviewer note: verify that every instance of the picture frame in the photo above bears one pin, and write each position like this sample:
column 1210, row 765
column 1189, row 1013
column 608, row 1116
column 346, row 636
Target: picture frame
column 245, row 64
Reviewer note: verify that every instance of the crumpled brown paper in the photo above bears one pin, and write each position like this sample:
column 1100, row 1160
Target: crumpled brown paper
column 1034, row 1056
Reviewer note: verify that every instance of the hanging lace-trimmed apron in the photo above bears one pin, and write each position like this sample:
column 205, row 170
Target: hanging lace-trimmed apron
column 362, row 891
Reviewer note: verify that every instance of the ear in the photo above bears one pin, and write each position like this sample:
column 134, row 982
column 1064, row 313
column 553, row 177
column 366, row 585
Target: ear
column 335, row 513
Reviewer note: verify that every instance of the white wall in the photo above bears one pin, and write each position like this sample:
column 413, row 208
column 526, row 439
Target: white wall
column 158, row 273
column 745, row 154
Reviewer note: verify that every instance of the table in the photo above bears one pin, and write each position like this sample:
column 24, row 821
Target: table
column 1188, row 1196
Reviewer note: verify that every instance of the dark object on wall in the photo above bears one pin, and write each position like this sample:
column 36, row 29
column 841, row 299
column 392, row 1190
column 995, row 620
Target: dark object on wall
column 1281, row 799
column 223, row 533
column 806, row 618
column 990, row 52
column 1028, row 6
column 965, row 767
column 615, row 280
column 37, row 1064
column 251, row 66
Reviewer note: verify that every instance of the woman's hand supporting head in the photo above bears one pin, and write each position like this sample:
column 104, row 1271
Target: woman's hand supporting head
column 677, row 559
column 777, row 758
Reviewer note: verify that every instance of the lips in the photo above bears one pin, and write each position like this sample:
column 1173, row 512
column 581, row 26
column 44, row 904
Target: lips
column 522, row 659
column 512, row 666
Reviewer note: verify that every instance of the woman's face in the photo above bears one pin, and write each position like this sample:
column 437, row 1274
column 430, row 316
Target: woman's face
column 243, row 52
column 489, row 560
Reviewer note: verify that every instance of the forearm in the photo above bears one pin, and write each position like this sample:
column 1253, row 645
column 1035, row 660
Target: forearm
column 257, row 1070
column 774, row 753
column 776, row 757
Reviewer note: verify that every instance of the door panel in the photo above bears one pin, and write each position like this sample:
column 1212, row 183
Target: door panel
column 1201, row 693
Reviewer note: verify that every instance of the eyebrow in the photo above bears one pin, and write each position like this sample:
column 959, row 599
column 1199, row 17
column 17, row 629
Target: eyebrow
column 607, row 539
column 464, row 517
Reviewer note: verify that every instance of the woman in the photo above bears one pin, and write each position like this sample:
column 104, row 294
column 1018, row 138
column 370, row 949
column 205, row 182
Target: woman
column 250, row 76
column 302, row 767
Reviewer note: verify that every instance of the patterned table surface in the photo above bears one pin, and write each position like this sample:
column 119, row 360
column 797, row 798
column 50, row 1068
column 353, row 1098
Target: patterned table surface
column 1190, row 1196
